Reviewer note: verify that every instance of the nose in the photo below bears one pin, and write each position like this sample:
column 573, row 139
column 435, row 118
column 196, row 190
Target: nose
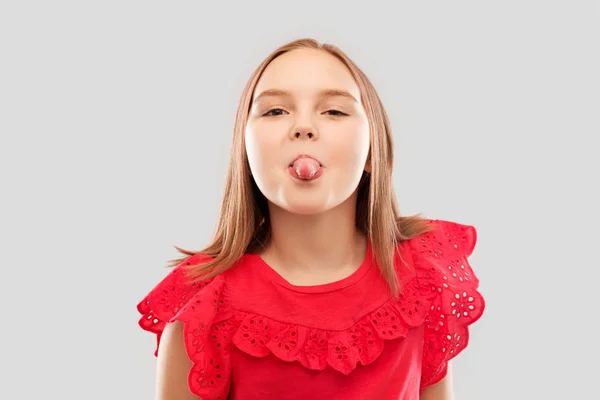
column 303, row 133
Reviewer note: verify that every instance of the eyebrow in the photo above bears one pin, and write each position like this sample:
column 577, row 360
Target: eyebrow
column 322, row 93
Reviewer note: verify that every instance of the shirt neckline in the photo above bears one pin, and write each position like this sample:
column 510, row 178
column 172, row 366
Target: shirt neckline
column 350, row 280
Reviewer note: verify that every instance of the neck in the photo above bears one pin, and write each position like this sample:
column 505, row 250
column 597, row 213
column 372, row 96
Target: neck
column 328, row 244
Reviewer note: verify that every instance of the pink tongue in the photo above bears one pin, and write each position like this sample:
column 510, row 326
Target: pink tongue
column 306, row 167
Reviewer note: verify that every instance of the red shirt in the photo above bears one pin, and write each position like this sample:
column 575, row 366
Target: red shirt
column 250, row 334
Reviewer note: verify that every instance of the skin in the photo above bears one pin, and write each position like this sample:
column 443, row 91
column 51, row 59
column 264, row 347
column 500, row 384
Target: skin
column 314, row 238
column 443, row 390
column 173, row 365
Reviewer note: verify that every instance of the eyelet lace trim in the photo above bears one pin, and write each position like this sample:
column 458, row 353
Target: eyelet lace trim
column 341, row 350
column 444, row 268
column 443, row 295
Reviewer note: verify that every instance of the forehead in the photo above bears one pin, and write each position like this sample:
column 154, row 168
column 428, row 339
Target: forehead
column 306, row 72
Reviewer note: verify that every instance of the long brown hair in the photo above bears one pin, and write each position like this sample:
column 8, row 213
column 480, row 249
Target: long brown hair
column 244, row 226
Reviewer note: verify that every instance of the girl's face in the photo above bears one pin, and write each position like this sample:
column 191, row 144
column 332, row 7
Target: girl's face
column 307, row 103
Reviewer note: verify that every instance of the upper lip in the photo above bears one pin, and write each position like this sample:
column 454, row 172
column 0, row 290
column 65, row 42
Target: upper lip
column 304, row 156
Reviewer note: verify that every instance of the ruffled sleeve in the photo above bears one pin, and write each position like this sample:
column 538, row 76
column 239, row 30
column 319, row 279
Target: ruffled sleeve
column 441, row 257
column 203, row 310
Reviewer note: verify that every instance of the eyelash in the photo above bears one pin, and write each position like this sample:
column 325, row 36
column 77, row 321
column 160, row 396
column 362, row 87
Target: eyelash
column 340, row 114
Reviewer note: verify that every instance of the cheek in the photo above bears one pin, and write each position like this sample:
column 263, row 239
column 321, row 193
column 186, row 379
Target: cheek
column 261, row 148
column 350, row 145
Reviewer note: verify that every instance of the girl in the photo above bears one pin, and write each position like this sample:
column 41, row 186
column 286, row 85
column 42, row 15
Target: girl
column 314, row 287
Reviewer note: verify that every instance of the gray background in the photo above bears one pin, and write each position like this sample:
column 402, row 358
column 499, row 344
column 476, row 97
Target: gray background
column 116, row 119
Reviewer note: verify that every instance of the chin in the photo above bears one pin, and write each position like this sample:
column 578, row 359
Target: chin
column 301, row 205
column 305, row 208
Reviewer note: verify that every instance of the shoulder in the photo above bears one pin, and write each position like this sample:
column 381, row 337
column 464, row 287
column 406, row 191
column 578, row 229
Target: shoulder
column 443, row 241
column 168, row 296
column 183, row 314
column 446, row 237
column 441, row 259
column 180, row 295
column 450, row 287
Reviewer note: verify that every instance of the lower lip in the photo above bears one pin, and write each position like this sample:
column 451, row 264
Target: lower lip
column 315, row 176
